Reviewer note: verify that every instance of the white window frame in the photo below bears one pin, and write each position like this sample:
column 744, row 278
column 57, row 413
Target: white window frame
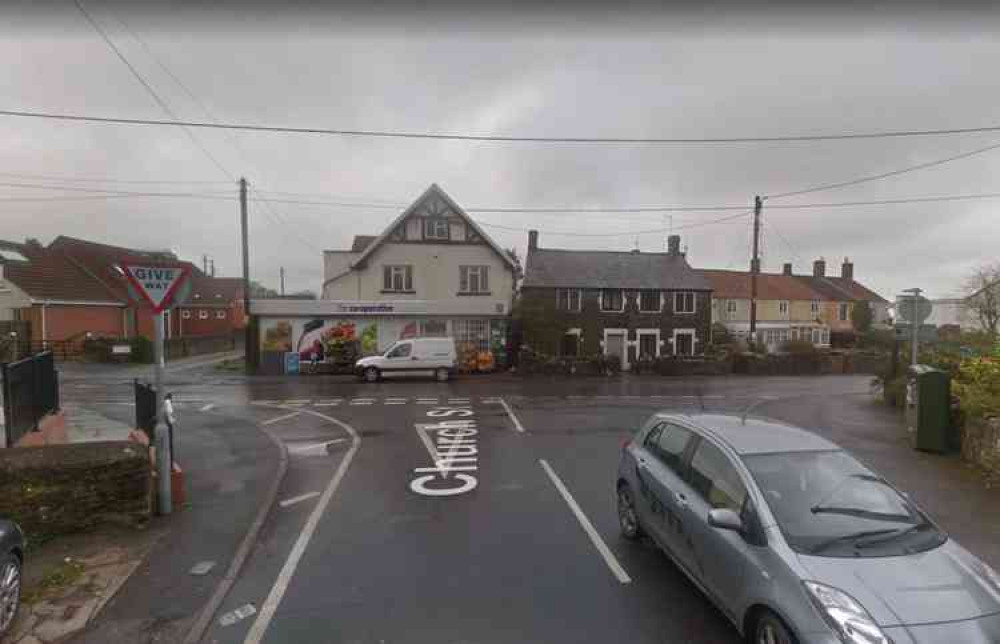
column 638, row 341
column 220, row 314
column 843, row 312
column 203, row 314
column 659, row 300
column 694, row 302
column 814, row 306
column 405, row 274
column 482, row 279
column 731, row 307
column 783, row 307
column 605, row 309
column 569, row 299
column 624, row 334
column 185, row 314
column 433, row 226
column 694, row 340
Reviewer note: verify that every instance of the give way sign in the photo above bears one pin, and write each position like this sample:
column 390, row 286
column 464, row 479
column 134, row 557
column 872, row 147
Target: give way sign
column 157, row 283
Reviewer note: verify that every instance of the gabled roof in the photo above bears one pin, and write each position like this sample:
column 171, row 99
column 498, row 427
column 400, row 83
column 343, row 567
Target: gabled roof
column 361, row 242
column 856, row 289
column 547, row 267
column 770, row 286
column 207, row 290
column 51, row 275
column 434, row 190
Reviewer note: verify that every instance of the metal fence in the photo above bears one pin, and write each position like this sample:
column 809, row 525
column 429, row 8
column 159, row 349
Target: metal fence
column 30, row 392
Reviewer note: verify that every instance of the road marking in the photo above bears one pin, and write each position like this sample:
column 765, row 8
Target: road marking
column 595, row 538
column 329, row 403
column 280, row 418
column 207, row 407
column 517, row 424
column 263, row 402
column 362, row 401
column 424, row 401
column 490, row 401
column 458, row 401
column 396, row 401
column 314, row 446
column 298, row 499
column 270, row 605
column 295, row 402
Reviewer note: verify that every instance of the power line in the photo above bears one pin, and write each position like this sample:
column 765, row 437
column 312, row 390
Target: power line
column 129, row 195
column 62, row 177
column 784, row 240
column 36, row 186
column 494, row 138
column 658, row 231
column 885, row 175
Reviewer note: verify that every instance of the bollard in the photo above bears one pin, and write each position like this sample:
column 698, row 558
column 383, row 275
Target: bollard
column 163, row 469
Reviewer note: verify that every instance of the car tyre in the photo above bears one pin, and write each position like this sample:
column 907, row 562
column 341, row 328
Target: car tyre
column 442, row 375
column 372, row 374
column 10, row 591
column 628, row 517
column 769, row 629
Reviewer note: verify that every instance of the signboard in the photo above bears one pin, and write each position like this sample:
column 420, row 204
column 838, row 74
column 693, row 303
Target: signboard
column 156, row 283
column 291, row 362
column 913, row 309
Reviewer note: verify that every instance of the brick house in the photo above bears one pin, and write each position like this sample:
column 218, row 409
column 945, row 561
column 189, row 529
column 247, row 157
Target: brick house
column 629, row 304
column 214, row 307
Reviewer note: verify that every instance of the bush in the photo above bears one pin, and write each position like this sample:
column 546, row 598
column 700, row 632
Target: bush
column 720, row 334
column 798, row 347
column 877, row 339
column 142, row 349
column 978, row 388
column 842, row 339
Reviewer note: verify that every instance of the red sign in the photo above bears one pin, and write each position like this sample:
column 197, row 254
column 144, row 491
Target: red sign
column 157, row 283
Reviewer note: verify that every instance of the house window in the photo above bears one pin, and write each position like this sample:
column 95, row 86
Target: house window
column 570, row 344
column 568, row 299
column 843, row 311
column 783, row 307
column 731, row 306
column 612, row 300
column 814, row 306
column 474, row 279
column 649, row 301
column 436, row 228
column 397, row 278
column 649, row 345
column 684, row 302
column 203, row 315
column 220, row 315
column 185, row 314
column 825, row 337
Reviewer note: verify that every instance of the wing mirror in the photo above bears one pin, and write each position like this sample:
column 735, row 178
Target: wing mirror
column 725, row 519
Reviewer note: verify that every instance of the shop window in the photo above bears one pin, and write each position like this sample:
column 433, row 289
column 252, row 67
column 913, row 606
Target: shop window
column 433, row 328
column 649, row 301
column 471, row 334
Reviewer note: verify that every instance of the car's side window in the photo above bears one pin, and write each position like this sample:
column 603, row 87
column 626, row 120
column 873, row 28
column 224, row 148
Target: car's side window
column 715, row 478
column 671, row 445
column 652, row 437
column 401, row 351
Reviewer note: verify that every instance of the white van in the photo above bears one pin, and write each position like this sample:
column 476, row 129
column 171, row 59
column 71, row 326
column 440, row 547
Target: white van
column 414, row 357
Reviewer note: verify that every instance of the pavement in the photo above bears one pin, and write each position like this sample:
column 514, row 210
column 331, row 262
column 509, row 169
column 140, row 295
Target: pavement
column 516, row 542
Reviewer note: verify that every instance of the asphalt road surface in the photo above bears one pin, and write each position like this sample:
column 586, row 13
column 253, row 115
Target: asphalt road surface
column 514, row 540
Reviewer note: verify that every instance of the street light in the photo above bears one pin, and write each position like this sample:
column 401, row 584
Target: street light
column 915, row 321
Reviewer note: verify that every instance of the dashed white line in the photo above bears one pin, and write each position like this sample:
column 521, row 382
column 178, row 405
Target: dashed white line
column 298, row 499
column 362, row 401
column 329, row 403
column 395, row 401
column 588, row 527
column 517, row 423
column 427, row 402
column 295, row 402
column 207, row 407
column 281, row 418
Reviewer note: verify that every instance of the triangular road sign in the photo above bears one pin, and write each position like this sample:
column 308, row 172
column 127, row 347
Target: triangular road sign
column 157, row 283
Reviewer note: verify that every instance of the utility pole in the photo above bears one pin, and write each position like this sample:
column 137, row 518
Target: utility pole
column 282, row 281
column 211, row 267
column 915, row 321
column 204, row 264
column 247, row 334
column 755, row 267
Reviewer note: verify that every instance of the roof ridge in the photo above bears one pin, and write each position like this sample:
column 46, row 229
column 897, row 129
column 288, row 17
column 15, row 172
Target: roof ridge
column 609, row 252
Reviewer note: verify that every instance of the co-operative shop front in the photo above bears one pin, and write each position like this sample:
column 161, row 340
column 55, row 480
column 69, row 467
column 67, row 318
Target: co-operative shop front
column 335, row 333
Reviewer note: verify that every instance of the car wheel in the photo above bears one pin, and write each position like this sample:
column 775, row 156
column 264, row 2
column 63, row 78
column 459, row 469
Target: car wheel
column 628, row 518
column 769, row 629
column 10, row 591
column 371, row 374
column 441, row 375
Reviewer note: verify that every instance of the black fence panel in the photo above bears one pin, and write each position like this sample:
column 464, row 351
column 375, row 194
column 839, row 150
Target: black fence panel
column 145, row 409
column 30, row 392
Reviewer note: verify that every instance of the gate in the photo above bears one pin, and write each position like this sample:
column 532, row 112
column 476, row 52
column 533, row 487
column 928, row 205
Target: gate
column 30, row 392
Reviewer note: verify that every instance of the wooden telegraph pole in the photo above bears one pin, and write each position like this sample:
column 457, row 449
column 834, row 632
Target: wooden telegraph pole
column 248, row 331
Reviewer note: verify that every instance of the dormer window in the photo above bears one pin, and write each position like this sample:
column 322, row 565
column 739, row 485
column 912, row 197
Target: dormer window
column 436, row 228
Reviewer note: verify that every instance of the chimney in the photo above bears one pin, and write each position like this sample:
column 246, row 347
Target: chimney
column 819, row 268
column 786, row 269
column 755, row 265
column 674, row 245
column 532, row 240
column 847, row 269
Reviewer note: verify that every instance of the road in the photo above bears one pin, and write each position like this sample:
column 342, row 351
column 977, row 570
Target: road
column 516, row 542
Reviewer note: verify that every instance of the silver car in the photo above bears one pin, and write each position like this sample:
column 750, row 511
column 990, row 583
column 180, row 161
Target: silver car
column 796, row 541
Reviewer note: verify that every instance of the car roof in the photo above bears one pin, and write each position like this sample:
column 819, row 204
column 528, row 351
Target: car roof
column 754, row 435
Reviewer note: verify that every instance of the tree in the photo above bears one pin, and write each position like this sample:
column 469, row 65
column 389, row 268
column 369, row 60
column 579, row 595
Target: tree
column 260, row 292
column 982, row 300
column 861, row 317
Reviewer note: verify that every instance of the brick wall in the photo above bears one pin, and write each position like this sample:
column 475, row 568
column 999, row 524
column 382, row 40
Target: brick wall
column 544, row 326
column 71, row 321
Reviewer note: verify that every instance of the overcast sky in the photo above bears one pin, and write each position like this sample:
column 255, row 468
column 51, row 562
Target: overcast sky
column 629, row 75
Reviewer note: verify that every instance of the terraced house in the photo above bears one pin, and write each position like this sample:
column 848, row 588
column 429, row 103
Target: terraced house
column 627, row 304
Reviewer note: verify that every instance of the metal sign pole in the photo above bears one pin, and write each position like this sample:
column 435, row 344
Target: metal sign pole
column 163, row 455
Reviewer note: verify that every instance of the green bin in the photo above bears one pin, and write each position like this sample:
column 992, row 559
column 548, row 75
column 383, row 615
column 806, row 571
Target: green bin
column 928, row 408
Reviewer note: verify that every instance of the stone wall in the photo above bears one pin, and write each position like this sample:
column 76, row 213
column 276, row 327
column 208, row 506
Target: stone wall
column 61, row 489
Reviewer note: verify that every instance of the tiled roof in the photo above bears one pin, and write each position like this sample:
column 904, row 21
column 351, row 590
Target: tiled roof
column 214, row 290
column 545, row 267
column 770, row 286
column 50, row 275
column 361, row 242
column 858, row 290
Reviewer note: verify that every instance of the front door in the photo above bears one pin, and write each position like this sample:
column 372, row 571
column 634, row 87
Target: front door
column 684, row 343
column 614, row 345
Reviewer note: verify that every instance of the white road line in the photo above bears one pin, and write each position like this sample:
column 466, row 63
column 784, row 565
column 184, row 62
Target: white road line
column 490, row 401
column 395, row 402
column 329, row 403
column 263, row 402
column 295, row 402
column 314, row 446
column 595, row 538
column 427, row 402
column 362, row 401
column 298, row 499
column 280, row 418
column 207, row 407
column 517, row 424
column 270, row 604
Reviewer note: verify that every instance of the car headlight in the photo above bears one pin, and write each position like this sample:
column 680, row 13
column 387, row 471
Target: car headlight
column 846, row 616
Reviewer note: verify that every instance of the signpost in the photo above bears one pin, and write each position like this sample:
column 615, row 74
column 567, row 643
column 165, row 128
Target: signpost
column 914, row 309
column 158, row 285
